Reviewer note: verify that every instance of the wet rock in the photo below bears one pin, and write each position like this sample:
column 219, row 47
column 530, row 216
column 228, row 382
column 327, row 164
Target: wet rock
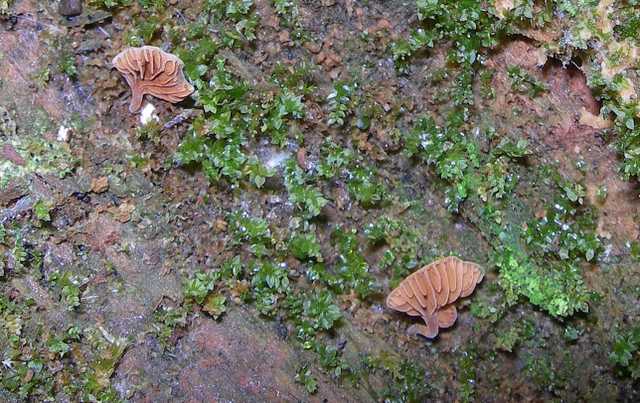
column 21, row 206
column 12, row 192
column 10, row 154
column 93, row 17
column 248, row 359
column 70, row 8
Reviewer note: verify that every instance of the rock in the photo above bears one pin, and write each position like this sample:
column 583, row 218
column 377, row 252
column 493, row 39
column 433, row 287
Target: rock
column 10, row 154
column 70, row 8
column 12, row 192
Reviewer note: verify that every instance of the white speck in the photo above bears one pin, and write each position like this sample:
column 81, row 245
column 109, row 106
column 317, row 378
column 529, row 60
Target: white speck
column 148, row 114
column 276, row 159
column 63, row 134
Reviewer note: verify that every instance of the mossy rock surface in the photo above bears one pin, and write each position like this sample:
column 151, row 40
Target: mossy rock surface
column 247, row 236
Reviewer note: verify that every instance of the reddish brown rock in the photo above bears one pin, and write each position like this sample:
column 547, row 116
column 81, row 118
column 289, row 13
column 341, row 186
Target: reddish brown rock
column 10, row 154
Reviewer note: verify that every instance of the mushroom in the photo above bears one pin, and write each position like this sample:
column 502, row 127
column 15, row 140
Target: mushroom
column 431, row 291
column 150, row 70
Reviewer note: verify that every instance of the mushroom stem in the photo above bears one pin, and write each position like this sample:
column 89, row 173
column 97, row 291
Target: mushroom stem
column 136, row 100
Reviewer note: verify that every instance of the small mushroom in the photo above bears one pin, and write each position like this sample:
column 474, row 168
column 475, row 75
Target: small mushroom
column 150, row 70
column 431, row 291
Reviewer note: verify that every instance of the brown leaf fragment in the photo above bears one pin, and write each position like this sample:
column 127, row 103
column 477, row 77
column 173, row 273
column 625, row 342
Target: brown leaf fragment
column 100, row 185
column 301, row 157
column 431, row 291
column 313, row 47
column 220, row 225
column 150, row 70
column 284, row 36
column 122, row 213
column 595, row 121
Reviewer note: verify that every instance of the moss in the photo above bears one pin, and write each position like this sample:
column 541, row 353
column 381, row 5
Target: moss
column 625, row 352
column 321, row 310
column 383, row 229
column 42, row 210
column 467, row 375
column 548, row 375
column 558, row 287
column 42, row 363
column 407, row 380
column 110, row 4
column 467, row 25
column 69, row 288
column 215, row 305
column 305, row 246
column 311, row 313
column 486, row 80
column 524, row 83
column 330, row 359
column 234, row 114
column 298, row 78
column 365, row 187
column 166, row 319
column 39, row 155
column 515, row 335
column 334, row 159
column 156, row 5
column 289, row 11
column 340, row 102
column 352, row 269
column 286, row 106
column 306, row 379
column 478, row 171
column 485, row 183
column 5, row 6
column 453, row 155
column 237, row 19
column 629, row 25
column 302, row 192
column 199, row 286
column 217, row 142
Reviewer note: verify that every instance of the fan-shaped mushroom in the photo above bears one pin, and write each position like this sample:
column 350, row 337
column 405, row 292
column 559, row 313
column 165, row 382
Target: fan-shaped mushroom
column 150, row 70
column 431, row 291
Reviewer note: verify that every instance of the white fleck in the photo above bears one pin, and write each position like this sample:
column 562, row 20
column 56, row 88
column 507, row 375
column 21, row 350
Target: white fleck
column 276, row 159
column 63, row 134
column 148, row 114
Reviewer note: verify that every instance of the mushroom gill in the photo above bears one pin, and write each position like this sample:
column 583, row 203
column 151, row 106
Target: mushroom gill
column 431, row 291
column 150, row 70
